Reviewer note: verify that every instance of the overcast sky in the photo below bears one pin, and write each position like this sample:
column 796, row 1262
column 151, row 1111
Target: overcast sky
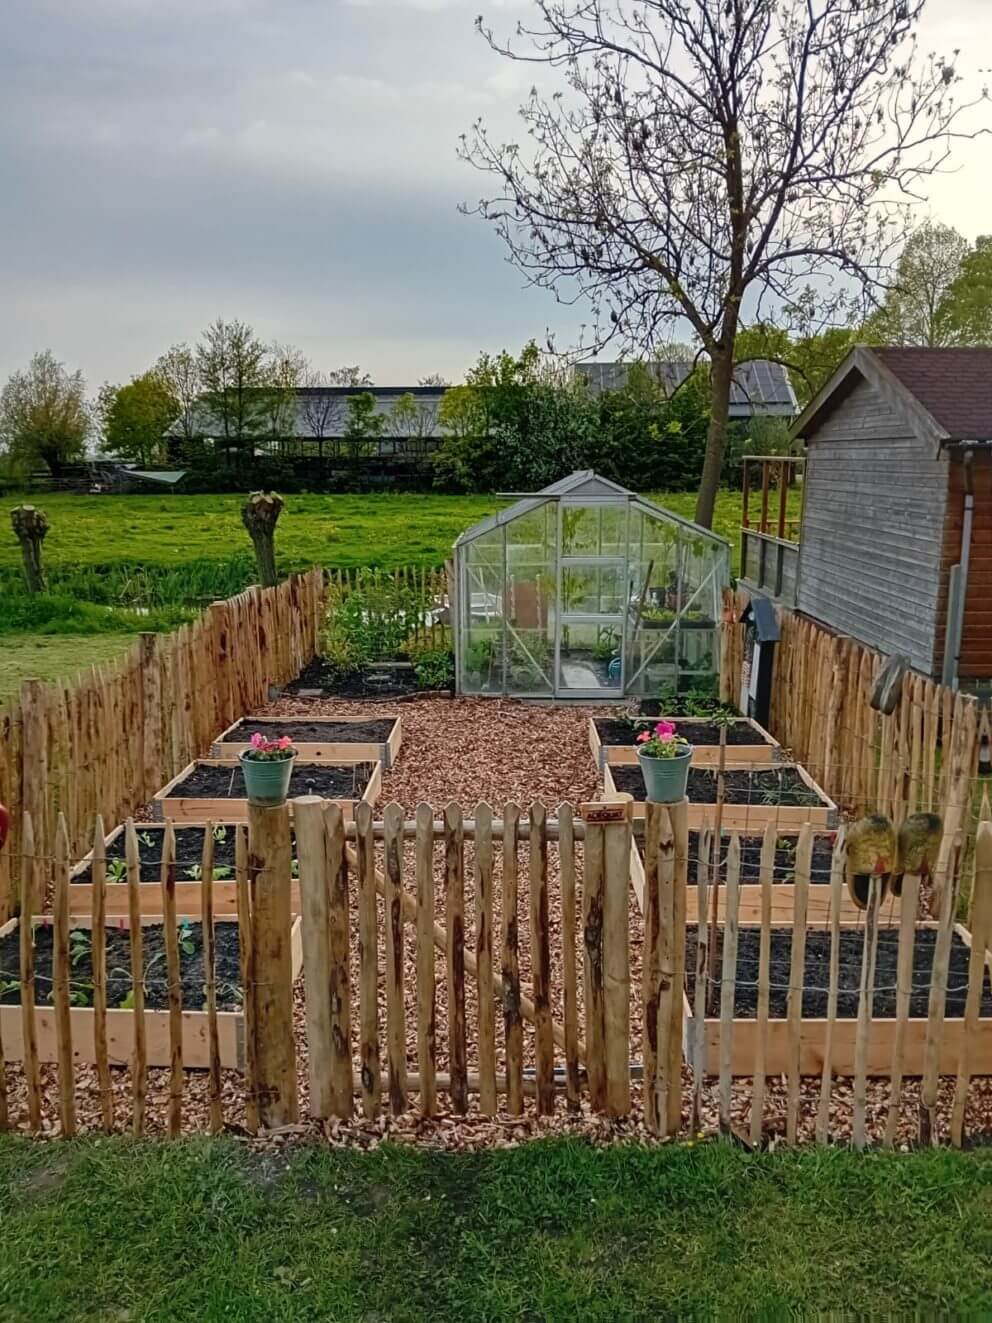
column 289, row 162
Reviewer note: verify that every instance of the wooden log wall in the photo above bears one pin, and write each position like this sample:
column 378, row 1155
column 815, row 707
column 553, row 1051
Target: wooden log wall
column 105, row 742
column 923, row 757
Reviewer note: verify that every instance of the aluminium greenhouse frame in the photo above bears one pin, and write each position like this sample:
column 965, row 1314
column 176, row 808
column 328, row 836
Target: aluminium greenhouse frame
column 587, row 591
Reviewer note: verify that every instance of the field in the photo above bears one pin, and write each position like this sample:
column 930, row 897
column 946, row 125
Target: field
column 53, row 657
column 555, row 1230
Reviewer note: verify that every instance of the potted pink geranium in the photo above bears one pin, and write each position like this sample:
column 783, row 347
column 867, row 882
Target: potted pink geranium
column 267, row 768
column 664, row 757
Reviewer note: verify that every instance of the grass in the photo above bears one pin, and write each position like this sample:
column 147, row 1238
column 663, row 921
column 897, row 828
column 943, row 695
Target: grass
column 109, row 1229
column 53, row 657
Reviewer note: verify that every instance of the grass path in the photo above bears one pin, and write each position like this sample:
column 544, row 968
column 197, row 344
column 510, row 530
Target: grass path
column 53, row 657
column 211, row 1230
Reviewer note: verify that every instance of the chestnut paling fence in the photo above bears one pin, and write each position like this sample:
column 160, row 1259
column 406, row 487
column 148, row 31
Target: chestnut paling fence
column 490, row 964
column 108, row 741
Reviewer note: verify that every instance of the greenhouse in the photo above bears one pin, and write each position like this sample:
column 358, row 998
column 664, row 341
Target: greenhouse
column 586, row 590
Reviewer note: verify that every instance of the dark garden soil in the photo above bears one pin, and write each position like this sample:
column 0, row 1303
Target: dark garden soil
column 613, row 732
column 320, row 680
column 207, row 781
column 771, row 786
column 119, row 966
column 817, row 976
column 189, row 853
column 316, row 732
column 784, row 871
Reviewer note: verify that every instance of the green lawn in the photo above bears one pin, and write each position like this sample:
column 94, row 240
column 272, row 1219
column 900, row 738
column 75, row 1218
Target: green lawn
column 53, row 657
column 347, row 530
column 105, row 1229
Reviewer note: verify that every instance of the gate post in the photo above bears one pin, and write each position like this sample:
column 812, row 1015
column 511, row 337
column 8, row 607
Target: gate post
column 269, row 871
column 666, row 866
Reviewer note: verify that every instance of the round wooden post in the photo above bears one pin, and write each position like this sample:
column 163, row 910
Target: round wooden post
column 269, row 868
column 31, row 528
column 260, row 514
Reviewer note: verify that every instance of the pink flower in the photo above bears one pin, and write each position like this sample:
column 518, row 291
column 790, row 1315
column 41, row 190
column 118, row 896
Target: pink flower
column 284, row 742
column 643, row 737
column 665, row 730
column 258, row 740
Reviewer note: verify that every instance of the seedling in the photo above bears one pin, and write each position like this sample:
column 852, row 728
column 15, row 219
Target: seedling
column 146, row 838
column 186, row 943
column 116, row 870
column 194, row 872
column 220, row 834
column 221, row 873
column 80, row 944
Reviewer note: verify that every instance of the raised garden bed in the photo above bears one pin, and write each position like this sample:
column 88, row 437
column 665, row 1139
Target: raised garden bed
column 211, row 791
column 785, row 795
column 319, row 679
column 783, row 876
column 189, row 854
column 331, row 739
column 611, row 740
column 814, row 1003
column 120, row 1021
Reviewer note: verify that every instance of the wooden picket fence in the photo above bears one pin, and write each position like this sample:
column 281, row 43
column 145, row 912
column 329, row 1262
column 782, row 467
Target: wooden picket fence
column 486, row 965
column 106, row 742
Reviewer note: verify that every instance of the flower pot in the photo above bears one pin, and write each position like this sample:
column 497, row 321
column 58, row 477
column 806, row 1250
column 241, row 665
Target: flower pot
column 665, row 779
column 267, row 780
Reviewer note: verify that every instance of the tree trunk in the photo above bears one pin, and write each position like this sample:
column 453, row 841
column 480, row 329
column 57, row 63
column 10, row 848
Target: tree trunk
column 721, row 378
column 30, row 528
column 260, row 514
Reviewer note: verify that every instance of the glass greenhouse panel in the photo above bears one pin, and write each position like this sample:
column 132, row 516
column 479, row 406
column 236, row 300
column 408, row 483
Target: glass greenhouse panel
column 594, row 530
column 590, row 657
column 593, row 588
column 482, row 625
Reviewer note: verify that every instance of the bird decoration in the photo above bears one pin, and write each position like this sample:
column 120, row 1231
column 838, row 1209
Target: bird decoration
column 871, row 852
column 916, row 847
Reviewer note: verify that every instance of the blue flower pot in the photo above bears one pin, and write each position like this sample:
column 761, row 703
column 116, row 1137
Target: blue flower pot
column 267, row 781
column 665, row 779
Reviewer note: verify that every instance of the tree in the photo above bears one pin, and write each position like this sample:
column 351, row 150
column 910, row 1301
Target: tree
column 43, row 414
column 179, row 369
column 348, row 376
column 30, row 527
column 260, row 514
column 710, row 159
column 917, row 309
column 969, row 298
column 363, row 427
column 233, row 364
column 433, row 379
column 319, row 408
column 287, row 369
column 135, row 417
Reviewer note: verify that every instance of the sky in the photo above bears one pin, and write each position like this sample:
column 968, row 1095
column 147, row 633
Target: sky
column 291, row 163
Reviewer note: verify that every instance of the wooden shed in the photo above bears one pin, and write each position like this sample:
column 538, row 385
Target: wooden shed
column 895, row 541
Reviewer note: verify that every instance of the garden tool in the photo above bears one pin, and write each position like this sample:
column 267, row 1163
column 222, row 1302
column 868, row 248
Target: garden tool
column 871, row 852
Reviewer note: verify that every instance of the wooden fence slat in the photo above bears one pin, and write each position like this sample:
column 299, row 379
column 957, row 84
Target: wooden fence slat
column 98, row 952
column 866, row 1011
column 838, row 860
column 392, row 818
column 368, row 964
column 540, row 960
column 981, row 936
column 454, row 908
column 797, row 971
column 426, row 990
column 61, row 979
column 616, row 964
column 766, row 877
column 728, row 978
column 657, row 988
column 928, row 1128
column 904, row 990
column 570, row 1011
column 511, row 963
column 29, row 1029
column 592, row 943
column 246, row 956
column 313, row 868
column 338, row 986
column 484, row 957
column 139, row 1059
column 174, row 984
column 679, row 817
column 700, row 998
column 210, row 975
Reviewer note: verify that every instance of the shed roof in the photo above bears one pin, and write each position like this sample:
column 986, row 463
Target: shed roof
column 946, row 394
column 760, row 387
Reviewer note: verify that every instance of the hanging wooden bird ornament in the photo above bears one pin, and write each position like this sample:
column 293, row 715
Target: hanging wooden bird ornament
column 871, row 852
column 917, row 847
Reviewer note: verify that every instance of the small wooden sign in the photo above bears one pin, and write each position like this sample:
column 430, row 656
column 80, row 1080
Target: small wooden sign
column 600, row 815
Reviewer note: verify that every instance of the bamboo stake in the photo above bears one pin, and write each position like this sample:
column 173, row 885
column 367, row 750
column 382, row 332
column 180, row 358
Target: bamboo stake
column 540, row 957
column 368, row 964
column 866, row 1001
column 728, row 979
column 566, row 871
column 210, row 974
column 60, row 986
column 511, row 964
column 174, row 977
column 98, row 954
column 246, row 955
column 797, row 971
column 29, row 1032
column 139, row 1061
column 454, row 868
column 484, row 957
column 767, row 869
column 426, row 995
column 395, row 1019
column 904, row 991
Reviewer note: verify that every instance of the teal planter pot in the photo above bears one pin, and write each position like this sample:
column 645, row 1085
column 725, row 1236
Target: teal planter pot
column 267, row 782
column 665, row 779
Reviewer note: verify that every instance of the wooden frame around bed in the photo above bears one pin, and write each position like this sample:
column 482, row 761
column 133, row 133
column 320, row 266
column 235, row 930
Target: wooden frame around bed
column 763, row 752
column 168, row 806
column 385, row 752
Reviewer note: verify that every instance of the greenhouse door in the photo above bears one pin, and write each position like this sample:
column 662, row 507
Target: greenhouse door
column 592, row 590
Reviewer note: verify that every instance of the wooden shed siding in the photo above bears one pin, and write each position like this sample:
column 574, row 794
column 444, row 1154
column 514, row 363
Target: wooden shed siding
column 873, row 522
column 976, row 638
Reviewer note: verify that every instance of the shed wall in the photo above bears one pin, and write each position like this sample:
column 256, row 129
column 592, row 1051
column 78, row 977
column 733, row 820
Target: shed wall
column 872, row 535
column 975, row 662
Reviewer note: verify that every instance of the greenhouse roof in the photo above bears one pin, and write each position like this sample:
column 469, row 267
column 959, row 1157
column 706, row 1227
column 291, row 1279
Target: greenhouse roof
column 583, row 485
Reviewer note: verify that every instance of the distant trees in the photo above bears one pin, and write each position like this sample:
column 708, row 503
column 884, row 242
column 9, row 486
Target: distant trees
column 44, row 418
column 135, row 418
column 941, row 294
column 179, row 370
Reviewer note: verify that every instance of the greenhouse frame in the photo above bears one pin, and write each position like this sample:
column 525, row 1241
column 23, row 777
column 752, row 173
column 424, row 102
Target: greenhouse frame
column 587, row 591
